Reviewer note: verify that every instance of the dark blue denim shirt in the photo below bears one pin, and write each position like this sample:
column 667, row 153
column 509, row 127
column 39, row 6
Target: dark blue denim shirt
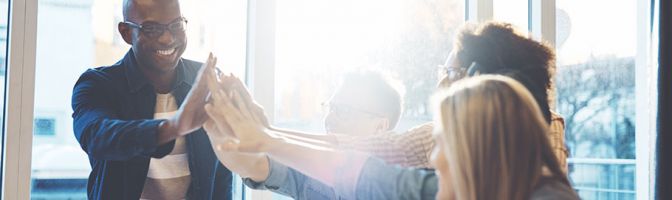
column 113, row 110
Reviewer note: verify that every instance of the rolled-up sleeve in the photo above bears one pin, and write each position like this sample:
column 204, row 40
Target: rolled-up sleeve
column 409, row 149
column 289, row 182
column 277, row 180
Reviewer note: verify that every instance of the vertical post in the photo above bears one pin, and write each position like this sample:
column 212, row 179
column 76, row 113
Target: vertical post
column 542, row 27
column 260, row 71
column 645, row 95
column 20, row 92
column 260, row 75
column 542, row 18
column 479, row 10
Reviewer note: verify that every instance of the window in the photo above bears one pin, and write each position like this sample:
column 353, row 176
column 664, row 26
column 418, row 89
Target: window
column 59, row 166
column 44, row 126
column 512, row 11
column 317, row 41
column 596, row 94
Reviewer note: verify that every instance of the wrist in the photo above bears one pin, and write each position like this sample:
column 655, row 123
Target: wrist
column 270, row 144
column 262, row 168
column 167, row 131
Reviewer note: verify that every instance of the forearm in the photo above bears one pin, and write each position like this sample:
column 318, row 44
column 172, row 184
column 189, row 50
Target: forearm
column 409, row 149
column 253, row 166
column 167, row 132
column 312, row 161
column 322, row 140
column 109, row 139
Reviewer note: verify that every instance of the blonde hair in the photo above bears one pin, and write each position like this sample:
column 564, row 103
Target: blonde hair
column 495, row 138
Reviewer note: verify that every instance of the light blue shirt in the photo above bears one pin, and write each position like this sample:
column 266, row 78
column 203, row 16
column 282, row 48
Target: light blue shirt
column 376, row 181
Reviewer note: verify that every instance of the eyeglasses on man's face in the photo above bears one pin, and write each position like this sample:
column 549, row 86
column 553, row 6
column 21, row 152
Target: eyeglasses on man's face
column 154, row 29
column 449, row 70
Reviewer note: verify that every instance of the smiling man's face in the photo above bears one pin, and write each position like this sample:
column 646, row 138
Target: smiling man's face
column 156, row 52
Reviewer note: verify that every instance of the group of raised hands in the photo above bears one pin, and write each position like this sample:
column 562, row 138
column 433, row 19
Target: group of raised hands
column 236, row 123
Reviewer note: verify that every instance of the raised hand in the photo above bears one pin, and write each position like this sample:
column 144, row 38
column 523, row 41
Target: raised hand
column 242, row 98
column 191, row 114
column 250, row 135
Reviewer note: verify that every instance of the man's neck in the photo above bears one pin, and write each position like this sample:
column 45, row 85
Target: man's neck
column 161, row 80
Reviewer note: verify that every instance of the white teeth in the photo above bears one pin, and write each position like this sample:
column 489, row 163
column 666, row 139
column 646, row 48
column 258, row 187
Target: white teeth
column 165, row 52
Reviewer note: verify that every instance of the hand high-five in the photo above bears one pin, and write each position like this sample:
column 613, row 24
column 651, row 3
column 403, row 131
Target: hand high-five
column 191, row 114
column 236, row 122
column 249, row 133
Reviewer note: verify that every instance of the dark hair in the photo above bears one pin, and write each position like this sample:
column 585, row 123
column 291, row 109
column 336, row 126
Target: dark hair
column 497, row 48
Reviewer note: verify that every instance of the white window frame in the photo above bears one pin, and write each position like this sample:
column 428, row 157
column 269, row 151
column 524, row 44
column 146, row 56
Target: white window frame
column 646, row 85
column 260, row 73
column 19, row 98
column 478, row 10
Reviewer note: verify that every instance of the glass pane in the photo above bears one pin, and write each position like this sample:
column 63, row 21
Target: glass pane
column 4, row 13
column 512, row 11
column 59, row 166
column 318, row 40
column 596, row 94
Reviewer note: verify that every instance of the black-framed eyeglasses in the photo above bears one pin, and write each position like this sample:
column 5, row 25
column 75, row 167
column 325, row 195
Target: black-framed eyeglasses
column 451, row 72
column 154, row 29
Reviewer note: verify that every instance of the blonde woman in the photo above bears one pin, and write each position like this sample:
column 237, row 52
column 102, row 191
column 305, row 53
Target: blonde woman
column 492, row 144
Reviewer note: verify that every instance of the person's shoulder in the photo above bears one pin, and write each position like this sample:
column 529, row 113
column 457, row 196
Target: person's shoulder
column 103, row 73
column 426, row 128
column 552, row 190
column 192, row 65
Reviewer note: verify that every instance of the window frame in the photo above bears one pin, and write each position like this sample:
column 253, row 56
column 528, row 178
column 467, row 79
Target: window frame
column 19, row 98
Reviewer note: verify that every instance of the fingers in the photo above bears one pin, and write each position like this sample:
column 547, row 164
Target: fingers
column 242, row 106
column 228, row 146
column 198, row 94
column 209, row 126
column 220, row 121
column 255, row 110
column 206, row 69
column 211, row 81
column 226, row 108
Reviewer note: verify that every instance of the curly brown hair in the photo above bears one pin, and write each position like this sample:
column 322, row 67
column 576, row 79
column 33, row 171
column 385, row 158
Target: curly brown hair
column 498, row 48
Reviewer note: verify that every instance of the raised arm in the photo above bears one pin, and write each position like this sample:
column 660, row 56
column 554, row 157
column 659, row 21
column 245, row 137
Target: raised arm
column 104, row 136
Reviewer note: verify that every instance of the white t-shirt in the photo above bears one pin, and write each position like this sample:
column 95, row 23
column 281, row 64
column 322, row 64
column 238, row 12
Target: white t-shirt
column 168, row 177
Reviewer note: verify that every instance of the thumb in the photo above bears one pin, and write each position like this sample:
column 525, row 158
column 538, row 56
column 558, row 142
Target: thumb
column 204, row 74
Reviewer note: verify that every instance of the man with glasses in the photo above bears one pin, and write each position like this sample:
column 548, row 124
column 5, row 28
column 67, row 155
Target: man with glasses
column 139, row 119
column 366, row 102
